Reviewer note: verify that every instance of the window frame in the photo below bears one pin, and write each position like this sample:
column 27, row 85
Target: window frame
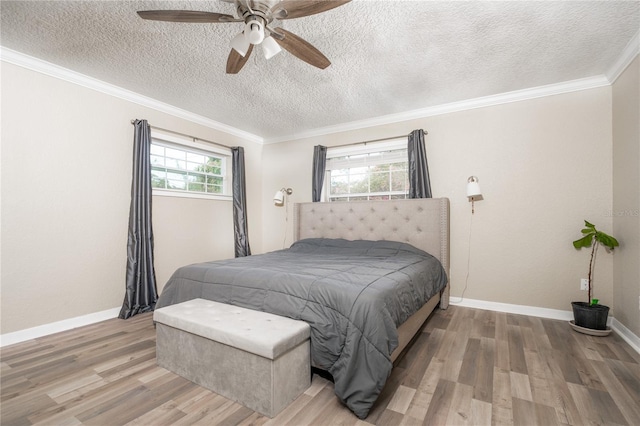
column 362, row 149
column 192, row 145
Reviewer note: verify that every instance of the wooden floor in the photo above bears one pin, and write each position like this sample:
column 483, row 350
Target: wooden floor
column 468, row 366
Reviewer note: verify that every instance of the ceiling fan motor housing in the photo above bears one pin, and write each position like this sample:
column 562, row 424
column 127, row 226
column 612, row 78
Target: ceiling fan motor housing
column 256, row 17
column 259, row 9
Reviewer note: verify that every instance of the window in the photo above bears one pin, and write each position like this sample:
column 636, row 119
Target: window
column 187, row 168
column 376, row 171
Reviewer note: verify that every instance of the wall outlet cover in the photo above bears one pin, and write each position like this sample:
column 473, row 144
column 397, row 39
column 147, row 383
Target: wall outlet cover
column 584, row 284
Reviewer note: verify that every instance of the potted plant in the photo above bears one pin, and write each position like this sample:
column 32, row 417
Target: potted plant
column 591, row 315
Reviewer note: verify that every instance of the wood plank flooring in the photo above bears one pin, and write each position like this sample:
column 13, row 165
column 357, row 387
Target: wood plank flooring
column 467, row 367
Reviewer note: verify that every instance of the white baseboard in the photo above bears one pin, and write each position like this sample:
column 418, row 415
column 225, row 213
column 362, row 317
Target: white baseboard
column 626, row 334
column 68, row 324
column 509, row 308
column 56, row 327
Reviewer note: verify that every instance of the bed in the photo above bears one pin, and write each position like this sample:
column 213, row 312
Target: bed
column 365, row 275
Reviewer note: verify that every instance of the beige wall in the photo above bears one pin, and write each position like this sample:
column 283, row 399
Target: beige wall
column 626, row 196
column 199, row 231
column 544, row 165
column 66, row 179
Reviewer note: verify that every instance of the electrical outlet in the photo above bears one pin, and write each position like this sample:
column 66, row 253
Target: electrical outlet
column 584, row 284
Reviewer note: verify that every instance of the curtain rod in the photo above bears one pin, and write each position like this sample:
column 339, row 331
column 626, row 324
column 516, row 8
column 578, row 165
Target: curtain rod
column 186, row 136
column 369, row 141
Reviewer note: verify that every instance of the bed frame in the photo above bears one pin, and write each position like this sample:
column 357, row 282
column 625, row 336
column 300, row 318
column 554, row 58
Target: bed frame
column 423, row 223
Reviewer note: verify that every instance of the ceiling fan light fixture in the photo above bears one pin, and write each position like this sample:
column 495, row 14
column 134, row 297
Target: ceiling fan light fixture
column 240, row 44
column 270, row 47
column 257, row 16
column 254, row 32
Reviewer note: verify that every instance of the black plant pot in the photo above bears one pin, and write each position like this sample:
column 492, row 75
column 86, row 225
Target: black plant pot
column 590, row 316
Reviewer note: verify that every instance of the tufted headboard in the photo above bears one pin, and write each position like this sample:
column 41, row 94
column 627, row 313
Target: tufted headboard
column 423, row 223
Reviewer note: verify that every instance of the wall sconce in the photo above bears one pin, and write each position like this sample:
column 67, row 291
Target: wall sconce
column 473, row 191
column 278, row 199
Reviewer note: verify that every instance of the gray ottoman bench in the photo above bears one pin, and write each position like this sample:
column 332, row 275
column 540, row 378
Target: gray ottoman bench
column 258, row 359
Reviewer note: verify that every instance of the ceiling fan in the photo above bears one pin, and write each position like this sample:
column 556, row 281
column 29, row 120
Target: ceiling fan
column 257, row 16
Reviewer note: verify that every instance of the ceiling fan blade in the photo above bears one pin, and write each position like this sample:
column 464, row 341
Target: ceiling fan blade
column 191, row 16
column 236, row 61
column 289, row 9
column 302, row 49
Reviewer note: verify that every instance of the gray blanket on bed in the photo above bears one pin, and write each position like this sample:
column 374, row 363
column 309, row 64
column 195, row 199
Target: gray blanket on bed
column 353, row 294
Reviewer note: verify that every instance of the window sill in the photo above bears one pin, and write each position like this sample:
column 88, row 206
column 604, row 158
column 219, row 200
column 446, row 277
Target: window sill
column 181, row 194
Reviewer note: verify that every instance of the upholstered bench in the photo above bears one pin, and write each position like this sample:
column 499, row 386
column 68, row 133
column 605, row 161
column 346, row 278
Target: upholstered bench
column 258, row 359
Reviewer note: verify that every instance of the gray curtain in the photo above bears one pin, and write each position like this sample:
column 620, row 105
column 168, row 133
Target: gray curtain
column 319, row 165
column 419, row 183
column 240, row 230
column 141, row 291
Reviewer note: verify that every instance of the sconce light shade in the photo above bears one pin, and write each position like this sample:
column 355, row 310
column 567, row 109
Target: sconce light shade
column 278, row 198
column 473, row 187
column 473, row 192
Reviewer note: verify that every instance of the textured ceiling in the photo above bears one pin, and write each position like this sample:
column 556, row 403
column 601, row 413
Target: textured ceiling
column 387, row 57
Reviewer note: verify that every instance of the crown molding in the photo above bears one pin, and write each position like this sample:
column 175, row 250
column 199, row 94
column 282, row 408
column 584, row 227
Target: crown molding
column 38, row 65
column 628, row 55
column 47, row 68
column 486, row 101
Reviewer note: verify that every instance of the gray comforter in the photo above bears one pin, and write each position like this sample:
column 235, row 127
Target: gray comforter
column 353, row 294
